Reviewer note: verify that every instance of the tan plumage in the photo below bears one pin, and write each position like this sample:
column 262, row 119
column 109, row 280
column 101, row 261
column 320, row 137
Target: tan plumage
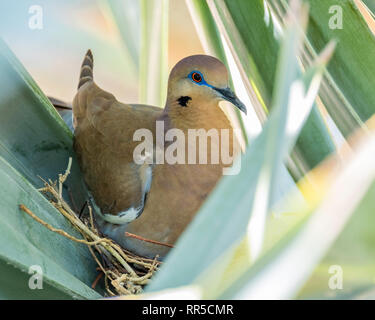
column 104, row 144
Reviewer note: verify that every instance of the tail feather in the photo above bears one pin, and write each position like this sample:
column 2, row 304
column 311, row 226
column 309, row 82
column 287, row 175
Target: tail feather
column 86, row 69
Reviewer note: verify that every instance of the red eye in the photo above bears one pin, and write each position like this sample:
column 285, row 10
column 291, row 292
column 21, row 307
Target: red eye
column 196, row 77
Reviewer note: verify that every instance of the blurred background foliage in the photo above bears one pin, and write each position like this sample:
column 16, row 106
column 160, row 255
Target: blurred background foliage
column 112, row 29
column 303, row 201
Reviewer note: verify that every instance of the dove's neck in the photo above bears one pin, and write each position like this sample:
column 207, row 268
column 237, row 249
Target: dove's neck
column 195, row 115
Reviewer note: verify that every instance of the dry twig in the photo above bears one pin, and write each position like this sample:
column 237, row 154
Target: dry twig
column 117, row 264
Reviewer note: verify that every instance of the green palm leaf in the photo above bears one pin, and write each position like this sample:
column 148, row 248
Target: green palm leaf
column 34, row 143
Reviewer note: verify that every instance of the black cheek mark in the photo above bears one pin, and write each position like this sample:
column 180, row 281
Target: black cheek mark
column 182, row 101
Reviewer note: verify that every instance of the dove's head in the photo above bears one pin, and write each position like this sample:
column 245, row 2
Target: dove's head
column 200, row 82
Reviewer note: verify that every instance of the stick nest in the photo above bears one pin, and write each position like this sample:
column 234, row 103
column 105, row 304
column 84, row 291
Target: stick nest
column 124, row 272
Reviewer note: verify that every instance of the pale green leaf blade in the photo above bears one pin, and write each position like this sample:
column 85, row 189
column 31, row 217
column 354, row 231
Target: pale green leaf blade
column 125, row 14
column 256, row 39
column 224, row 222
column 352, row 254
column 302, row 248
column 66, row 265
column 370, row 4
column 154, row 52
column 346, row 90
column 15, row 286
column 34, row 141
column 354, row 54
column 33, row 137
column 205, row 26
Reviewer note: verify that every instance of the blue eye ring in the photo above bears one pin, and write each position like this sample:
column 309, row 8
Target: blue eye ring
column 196, row 77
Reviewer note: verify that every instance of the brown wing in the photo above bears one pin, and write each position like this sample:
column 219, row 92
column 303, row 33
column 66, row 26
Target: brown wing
column 104, row 144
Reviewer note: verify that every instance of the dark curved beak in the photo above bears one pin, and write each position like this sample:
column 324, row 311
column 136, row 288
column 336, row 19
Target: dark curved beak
column 228, row 94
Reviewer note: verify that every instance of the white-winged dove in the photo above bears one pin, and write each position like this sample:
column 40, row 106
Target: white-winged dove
column 152, row 201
